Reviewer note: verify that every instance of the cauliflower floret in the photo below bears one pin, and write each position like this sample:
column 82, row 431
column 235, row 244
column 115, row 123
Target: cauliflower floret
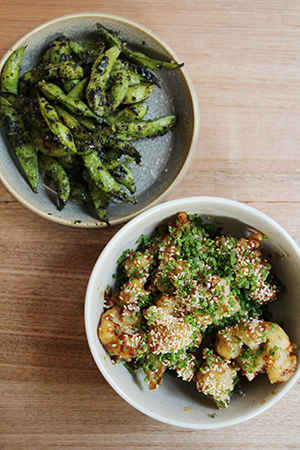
column 167, row 333
column 250, row 269
column 132, row 292
column 216, row 377
column 258, row 346
column 118, row 334
column 138, row 265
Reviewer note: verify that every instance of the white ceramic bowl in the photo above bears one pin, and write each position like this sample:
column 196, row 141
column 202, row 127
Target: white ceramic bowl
column 177, row 402
column 165, row 159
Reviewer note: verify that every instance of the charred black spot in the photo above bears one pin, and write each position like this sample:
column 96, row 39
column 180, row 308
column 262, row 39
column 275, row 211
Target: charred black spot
column 69, row 137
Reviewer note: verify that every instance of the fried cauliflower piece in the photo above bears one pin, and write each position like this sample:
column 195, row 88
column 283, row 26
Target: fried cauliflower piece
column 118, row 334
column 138, row 265
column 258, row 346
column 216, row 377
column 132, row 292
column 167, row 333
column 251, row 270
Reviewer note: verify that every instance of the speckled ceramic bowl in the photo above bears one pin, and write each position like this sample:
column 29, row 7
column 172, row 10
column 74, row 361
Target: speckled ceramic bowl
column 177, row 402
column 165, row 159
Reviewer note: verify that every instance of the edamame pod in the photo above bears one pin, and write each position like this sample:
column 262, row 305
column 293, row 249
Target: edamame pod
column 68, row 70
column 142, row 60
column 11, row 70
column 53, row 92
column 57, row 173
column 58, row 129
column 117, row 91
column 26, row 108
column 95, row 91
column 123, row 147
column 21, row 142
column 138, row 93
column 100, row 200
column 122, row 174
column 78, row 91
column 137, row 57
column 49, row 146
column 146, row 128
column 131, row 113
column 59, row 50
column 102, row 177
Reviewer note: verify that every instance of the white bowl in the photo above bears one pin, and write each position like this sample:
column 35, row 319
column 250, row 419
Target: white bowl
column 165, row 159
column 177, row 402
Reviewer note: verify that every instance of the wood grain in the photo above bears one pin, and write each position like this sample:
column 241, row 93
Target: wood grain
column 243, row 58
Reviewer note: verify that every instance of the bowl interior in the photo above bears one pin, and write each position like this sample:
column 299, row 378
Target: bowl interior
column 177, row 402
column 165, row 159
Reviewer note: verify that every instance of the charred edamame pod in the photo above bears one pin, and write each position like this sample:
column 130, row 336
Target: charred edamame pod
column 101, row 69
column 117, row 91
column 53, row 92
column 57, row 173
column 21, row 142
column 131, row 113
column 78, row 91
column 103, row 179
column 137, row 57
column 121, row 173
column 138, row 93
column 57, row 128
column 11, row 70
column 146, row 128
column 59, row 50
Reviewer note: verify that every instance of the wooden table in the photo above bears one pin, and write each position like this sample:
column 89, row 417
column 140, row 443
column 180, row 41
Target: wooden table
column 244, row 60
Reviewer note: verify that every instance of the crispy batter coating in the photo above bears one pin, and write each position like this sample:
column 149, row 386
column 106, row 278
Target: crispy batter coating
column 258, row 346
column 216, row 377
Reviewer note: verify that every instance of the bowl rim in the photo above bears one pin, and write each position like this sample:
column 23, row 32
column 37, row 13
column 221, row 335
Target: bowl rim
column 141, row 218
column 195, row 133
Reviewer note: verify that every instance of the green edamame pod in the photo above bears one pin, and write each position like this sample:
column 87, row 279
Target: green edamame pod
column 26, row 108
column 59, row 50
column 132, row 77
column 57, row 173
column 53, row 92
column 68, row 70
column 137, row 73
column 146, row 128
column 74, row 126
column 137, row 57
column 11, row 70
column 102, row 177
column 131, row 113
column 49, row 146
column 100, row 200
column 95, row 91
column 121, row 173
column 117, row 91
column 86, row 122
column 58, row 129
column 79, row 49
column 78, row 91
column 142, row 60
column 68, row 85
column 123, row 147
column 21, row 142
column 138, row 93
